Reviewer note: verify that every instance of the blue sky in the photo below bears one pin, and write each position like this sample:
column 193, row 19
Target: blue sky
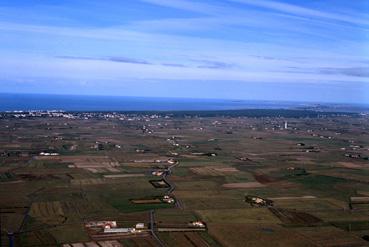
column 238, row 49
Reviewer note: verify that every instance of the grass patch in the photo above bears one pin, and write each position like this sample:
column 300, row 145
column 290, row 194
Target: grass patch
column 319, row 182
column 7, row 176
column 352, row 225
column 211, row 241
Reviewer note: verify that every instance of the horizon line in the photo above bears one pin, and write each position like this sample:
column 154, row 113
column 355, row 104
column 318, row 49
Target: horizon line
column 185, row 98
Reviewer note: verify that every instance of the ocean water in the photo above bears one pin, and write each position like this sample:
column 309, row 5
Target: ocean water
column 14, row 102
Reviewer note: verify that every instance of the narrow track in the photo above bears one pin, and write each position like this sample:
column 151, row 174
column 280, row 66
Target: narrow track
column 152, row 228
column 169, row 191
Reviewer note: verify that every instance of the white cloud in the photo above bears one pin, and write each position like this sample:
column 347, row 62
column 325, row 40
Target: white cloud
column 302, row 11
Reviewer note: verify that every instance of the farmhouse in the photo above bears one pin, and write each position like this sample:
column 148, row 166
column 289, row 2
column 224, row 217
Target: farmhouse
column 258, row 201
column 140, row 226
column 48, row 154
column 119, row 230
column 172, row 161
column 158, row 173
column 197, row 224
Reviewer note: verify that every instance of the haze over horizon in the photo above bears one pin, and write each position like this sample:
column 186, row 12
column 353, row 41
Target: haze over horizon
column 290, row 50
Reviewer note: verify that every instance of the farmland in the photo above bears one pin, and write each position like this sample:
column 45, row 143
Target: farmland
column 175, row 171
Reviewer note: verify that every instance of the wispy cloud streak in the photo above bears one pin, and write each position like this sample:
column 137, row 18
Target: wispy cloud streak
column 353, row 71
column 302, row 11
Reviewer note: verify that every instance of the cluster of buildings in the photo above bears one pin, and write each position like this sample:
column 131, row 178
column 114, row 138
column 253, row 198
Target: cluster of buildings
column 173, row 141
column 353, row 156
column 168, row 199
column 111, row 227
column 37, row 114
column 146, row 130
column 82, row 115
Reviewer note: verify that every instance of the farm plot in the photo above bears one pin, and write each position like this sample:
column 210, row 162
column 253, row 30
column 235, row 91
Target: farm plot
column 48, row 158
column 12, row 218
column 174, row 216
column 341, row 215
column 351, row 165
column 310, row 204
column 196, row 185
column 7, row 176
column 184, row 239
column 264, row 179
column 247, row 185
column 81, row 207
column 94, row 164
column 295, row 217
column 252, row 235
column 210, row 199
column 88, row 181
column 37, row 238
column 146, row 201
column 141, row 241
column 330, row 236
column 247, row 215
column 348, row 175
column 292, row 197
column 110, row 243
column 48, row 211
column 132, row 175
column 140, row 165
column 213, row 171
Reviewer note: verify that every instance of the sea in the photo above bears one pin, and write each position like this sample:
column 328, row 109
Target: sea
column 27, row 102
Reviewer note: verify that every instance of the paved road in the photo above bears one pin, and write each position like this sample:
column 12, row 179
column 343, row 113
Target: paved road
column 169, row 191
column 165, row 176
column 152, row 228
column 168, row 229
